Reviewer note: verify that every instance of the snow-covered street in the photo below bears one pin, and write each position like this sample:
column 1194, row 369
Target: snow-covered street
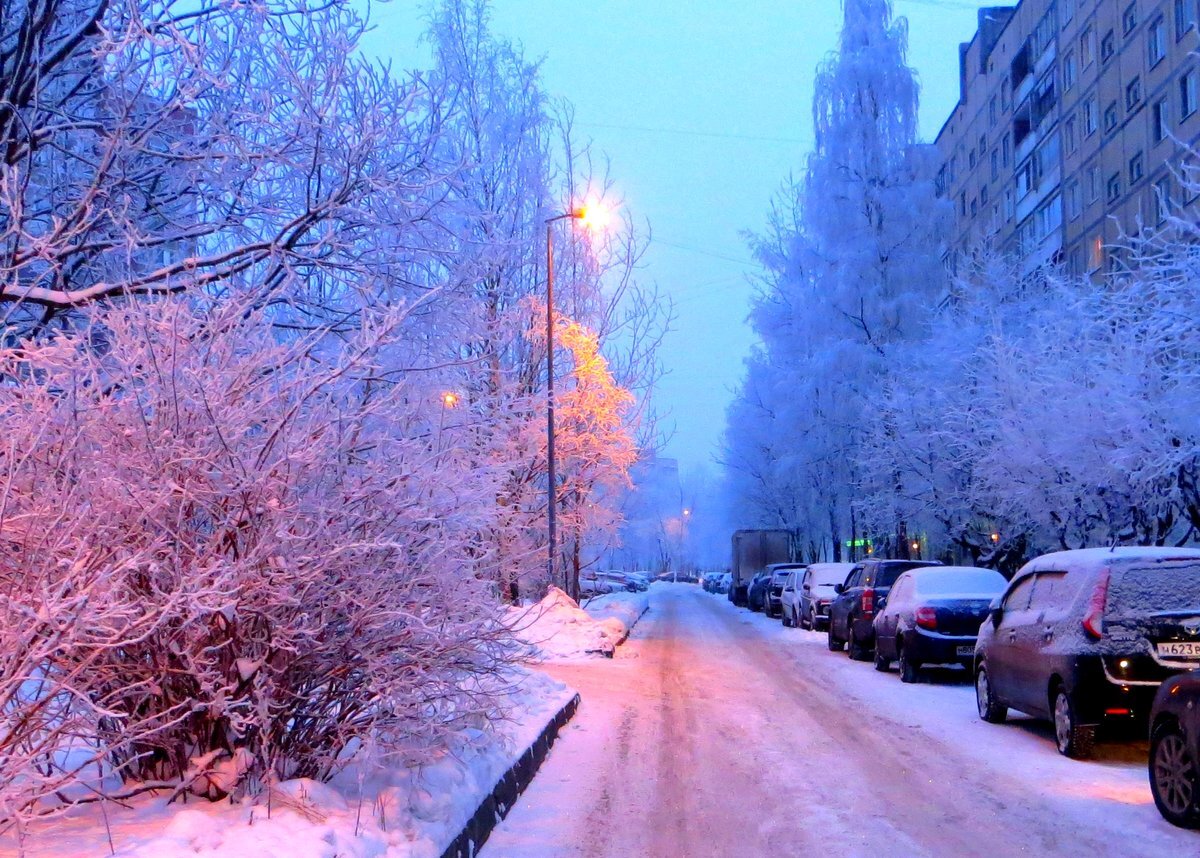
column 717, row 732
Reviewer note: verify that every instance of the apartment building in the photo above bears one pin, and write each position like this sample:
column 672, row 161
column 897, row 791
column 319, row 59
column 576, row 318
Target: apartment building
column 1072, row 120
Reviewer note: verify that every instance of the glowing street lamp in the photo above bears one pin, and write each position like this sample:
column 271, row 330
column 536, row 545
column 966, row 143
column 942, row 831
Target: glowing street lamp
column 449, row 399
column 591, row 216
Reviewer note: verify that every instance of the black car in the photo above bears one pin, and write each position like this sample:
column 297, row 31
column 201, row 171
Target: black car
column 756, row 590
column 852, row 614
column 933, row 616
column 773, row 603
column 1084, row 638
column 1175, row 750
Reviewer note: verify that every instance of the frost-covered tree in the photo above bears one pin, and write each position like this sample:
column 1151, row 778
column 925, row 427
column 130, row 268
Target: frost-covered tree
column 851, row 263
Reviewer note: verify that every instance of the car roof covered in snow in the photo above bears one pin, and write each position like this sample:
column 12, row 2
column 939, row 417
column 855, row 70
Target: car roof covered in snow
column 1089, row 559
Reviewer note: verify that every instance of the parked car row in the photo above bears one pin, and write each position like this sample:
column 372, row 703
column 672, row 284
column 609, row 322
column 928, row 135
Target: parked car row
column 716, row 582
column 596, row 583
column 1093, row 641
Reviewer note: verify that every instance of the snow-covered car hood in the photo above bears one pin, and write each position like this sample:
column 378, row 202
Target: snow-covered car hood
column 822, row 591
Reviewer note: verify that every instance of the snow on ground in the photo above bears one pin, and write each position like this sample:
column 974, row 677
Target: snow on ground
column 385, row 813
column 715, row 731
column 557, row 629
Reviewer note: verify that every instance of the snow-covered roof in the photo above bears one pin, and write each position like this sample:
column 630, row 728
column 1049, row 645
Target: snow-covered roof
column 1084, row 559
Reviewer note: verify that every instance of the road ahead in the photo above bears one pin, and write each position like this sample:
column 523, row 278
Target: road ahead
column 718, row 733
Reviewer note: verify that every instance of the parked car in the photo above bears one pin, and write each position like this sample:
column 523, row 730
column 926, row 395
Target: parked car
column 791, row 586
column 933, row 616
column 623, row 581
column 724, row 583
column 814, row 592
column 592, row 583
column 1175, row 750
column 756, row 592
column 709, row 581
column 773, row 601
column 1084, row 638
column 852, row 613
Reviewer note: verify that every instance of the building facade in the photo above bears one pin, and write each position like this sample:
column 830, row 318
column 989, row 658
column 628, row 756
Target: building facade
column 1074, row 120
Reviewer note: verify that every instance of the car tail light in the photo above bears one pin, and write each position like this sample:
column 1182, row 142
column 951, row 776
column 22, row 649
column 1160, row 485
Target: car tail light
column 1117, row 711
column 868, row 600
column 926, row 617
column 1093, row 619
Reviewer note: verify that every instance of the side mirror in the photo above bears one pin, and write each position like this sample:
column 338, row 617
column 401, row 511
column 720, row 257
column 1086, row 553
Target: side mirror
column 997, row 614
column 839, row 588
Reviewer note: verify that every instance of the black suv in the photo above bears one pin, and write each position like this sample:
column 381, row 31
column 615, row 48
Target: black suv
column 852, row 614
column 1084, row 638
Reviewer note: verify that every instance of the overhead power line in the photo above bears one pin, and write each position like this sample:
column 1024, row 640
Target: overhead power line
column 691, row 133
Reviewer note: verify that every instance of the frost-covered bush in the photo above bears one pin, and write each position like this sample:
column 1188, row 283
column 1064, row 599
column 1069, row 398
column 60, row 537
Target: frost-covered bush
column 227, row 555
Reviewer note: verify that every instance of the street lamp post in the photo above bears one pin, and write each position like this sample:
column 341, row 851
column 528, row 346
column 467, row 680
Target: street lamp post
column 588, row 215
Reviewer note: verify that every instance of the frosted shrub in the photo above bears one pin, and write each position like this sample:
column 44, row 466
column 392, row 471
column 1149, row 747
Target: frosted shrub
column 226, row 555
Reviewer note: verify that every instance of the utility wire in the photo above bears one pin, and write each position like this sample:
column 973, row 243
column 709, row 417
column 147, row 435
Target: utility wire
column 746, row 262
column 688, row 133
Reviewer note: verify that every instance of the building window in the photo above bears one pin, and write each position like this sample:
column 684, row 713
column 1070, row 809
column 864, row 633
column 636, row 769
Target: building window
column 1095, row 254
column 1070, row 72
column 1069, row 134
column 1187, row 94
column 962, row 204
column 1185, row 17
column 1137, row 168
column 1156, row 38
column 1110, row 116
column 1113, row 188
column 1133, row 93
column 1089, row 117
column 971, row 159
column 1159, row 122
column 1087, row 47
column 974, row 207
column 1004, row 89
column 995, row 164
column 1108, row 46
column 983, row 195
column 992, row 112
column 1129, row 19
column 1009, row 204
column 1093, row 184
column 1026, row 178
column 1005, row 151
column 1074, row 206
column 1162, row 200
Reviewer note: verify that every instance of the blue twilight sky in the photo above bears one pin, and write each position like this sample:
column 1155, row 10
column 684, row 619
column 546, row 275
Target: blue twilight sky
column 704, row 108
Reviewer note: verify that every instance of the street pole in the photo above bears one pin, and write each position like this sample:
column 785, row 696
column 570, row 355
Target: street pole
column 552, row 489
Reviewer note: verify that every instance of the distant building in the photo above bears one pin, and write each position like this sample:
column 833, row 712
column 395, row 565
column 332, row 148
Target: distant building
column 1071, row 116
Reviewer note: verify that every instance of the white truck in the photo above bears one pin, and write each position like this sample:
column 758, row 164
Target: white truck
column 753, row 551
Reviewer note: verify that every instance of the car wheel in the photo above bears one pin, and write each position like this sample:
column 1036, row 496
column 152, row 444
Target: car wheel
column 881, row 664
column 908, row 668
column 832, row 642
column 857, row 651
column 1073, row 740
column 1173, row 777
column 990, row 709
column 787, row 622
column 806, row 621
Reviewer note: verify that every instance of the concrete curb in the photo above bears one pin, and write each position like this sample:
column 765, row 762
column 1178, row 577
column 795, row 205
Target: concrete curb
column 509, row 788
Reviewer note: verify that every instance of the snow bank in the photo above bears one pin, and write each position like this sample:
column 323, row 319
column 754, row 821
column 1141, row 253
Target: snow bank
column 366, row 812
column 556, row 628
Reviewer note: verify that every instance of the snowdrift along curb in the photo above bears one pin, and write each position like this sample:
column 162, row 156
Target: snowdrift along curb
column 508, row 789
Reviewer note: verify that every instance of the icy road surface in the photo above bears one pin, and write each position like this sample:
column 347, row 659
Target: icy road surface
column 716, row 732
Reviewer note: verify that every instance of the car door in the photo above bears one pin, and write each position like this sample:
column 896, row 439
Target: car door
column 888, row 624
column 787, row 599
column 839, row 611
column 1034, row 662
column 1001, row 651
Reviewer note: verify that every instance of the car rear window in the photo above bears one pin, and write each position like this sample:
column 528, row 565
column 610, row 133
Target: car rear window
column 984, row 582
column 1154, row 589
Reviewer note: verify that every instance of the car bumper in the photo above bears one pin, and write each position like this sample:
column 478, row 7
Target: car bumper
column 927, row 647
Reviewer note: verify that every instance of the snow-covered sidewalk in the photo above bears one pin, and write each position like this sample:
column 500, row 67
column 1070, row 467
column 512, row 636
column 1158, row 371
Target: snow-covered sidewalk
column 394, row 812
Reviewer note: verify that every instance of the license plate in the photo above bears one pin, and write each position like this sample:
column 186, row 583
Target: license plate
column 1179, row 649
column 966, row 650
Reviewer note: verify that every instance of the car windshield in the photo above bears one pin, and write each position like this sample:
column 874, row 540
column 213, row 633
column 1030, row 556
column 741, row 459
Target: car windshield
column 1155, row 589
column 980, row 582
column 780, row 575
